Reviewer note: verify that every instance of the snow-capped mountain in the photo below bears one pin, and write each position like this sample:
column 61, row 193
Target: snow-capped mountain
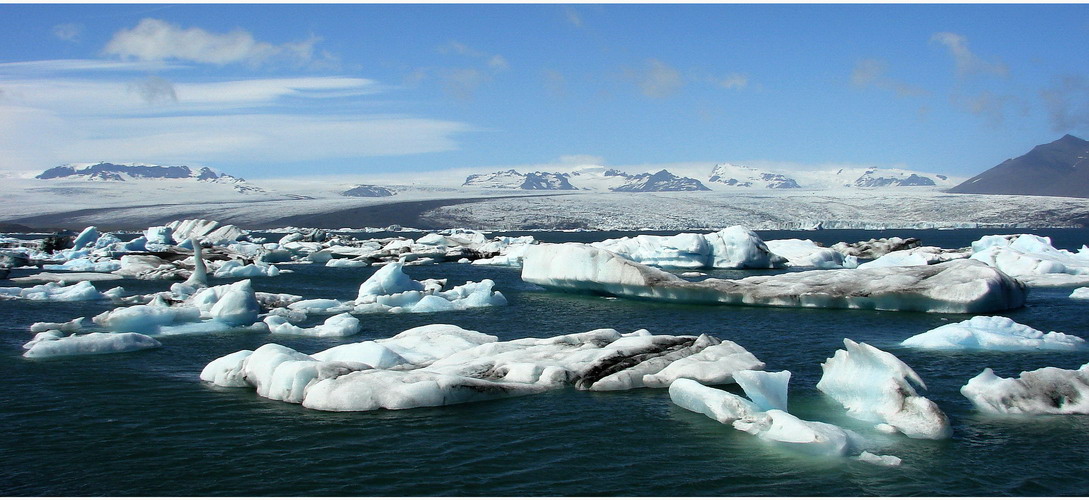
column 742, row 176
column 512, row 179
column 115, row 172
column 872, row 179
column 368, row 191
column 659, row 181
column 592, row 178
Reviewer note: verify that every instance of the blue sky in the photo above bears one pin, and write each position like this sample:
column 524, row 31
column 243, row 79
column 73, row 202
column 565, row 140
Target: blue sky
column 267, row 91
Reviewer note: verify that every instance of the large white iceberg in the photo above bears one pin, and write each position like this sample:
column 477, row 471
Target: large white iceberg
column 993, row 333
column 54, row 344
column 732, row 248
column 806, row 253
column 876, row 386
column 1048, row 390
column 1033, row 259
column 443, row 364
column 959, row 286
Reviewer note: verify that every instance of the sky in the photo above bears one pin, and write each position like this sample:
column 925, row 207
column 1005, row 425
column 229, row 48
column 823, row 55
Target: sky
column 280, row 91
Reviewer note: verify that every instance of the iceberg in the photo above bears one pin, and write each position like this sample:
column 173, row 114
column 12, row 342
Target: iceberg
column 341, row 325
column 771, row 424
column 958, row 286
column 1033, row 259
column 993, row 333
column 1080, row 293
column 1048, row 390
column 443, row 364
column 236, row 269
column 806, row 253
column 876, row 386
column 52, row 344
column 735, row 247
column 57, row 292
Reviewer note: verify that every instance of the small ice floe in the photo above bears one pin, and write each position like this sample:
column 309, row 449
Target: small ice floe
column 993, row 333
column 1048, row 390
column 54, row 344
column 806, row 253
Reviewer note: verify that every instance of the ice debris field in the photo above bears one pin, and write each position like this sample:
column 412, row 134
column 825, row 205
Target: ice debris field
column 442, row 364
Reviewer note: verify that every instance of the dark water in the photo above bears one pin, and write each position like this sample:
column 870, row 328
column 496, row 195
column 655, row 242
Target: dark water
column 143, row 424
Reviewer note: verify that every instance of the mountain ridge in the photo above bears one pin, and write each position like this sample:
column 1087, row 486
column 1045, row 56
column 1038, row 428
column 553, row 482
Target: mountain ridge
column 1058, row 168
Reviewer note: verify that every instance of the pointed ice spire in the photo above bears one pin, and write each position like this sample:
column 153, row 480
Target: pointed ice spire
column 199, row 277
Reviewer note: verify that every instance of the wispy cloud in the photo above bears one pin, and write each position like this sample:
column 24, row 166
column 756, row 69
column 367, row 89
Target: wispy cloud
column 155, row 90
column 734, row 81
column 573, row 16
column 968, row 63
column 69, row 32
column 871, row 72
column 104, row 114
column 656, row 79
column 1067, row 102
column 990, row 106
column 158, row 40
column 463, row 82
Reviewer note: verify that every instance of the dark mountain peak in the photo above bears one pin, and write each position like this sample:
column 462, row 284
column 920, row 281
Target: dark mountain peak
column 1058, row 168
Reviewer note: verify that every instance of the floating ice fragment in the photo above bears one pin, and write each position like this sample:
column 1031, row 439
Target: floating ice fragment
column 56, row 345
column 876, row 386
column 993, row 333
column 767, row 390
column 1048, row 390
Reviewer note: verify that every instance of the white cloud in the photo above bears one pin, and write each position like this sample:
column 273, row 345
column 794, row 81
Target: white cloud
column 968, row 64
column 158, row 40
column 48, row 120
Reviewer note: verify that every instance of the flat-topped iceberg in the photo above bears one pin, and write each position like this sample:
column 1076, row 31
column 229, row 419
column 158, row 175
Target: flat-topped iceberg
column 1048, row 390
column 438, row 365
column 54, row 344
column 58, row 292
column 959, row 286
column 340, row 325
column 993, row 333
column 735, row 247
column 876, row 386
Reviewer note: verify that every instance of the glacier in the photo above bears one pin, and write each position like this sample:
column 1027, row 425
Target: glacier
column 873, row 385
column 1047, row 390
column 959, row 286
column 993, row 333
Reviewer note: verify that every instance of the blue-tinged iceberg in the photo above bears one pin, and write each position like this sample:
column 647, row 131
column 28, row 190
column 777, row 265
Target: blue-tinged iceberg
column 58, row 292
column 735, row 247
column 876, row 386
column 959, row 286
column 756, row 416
column 993, row 333
column 1048, row 390
column 54, row 344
